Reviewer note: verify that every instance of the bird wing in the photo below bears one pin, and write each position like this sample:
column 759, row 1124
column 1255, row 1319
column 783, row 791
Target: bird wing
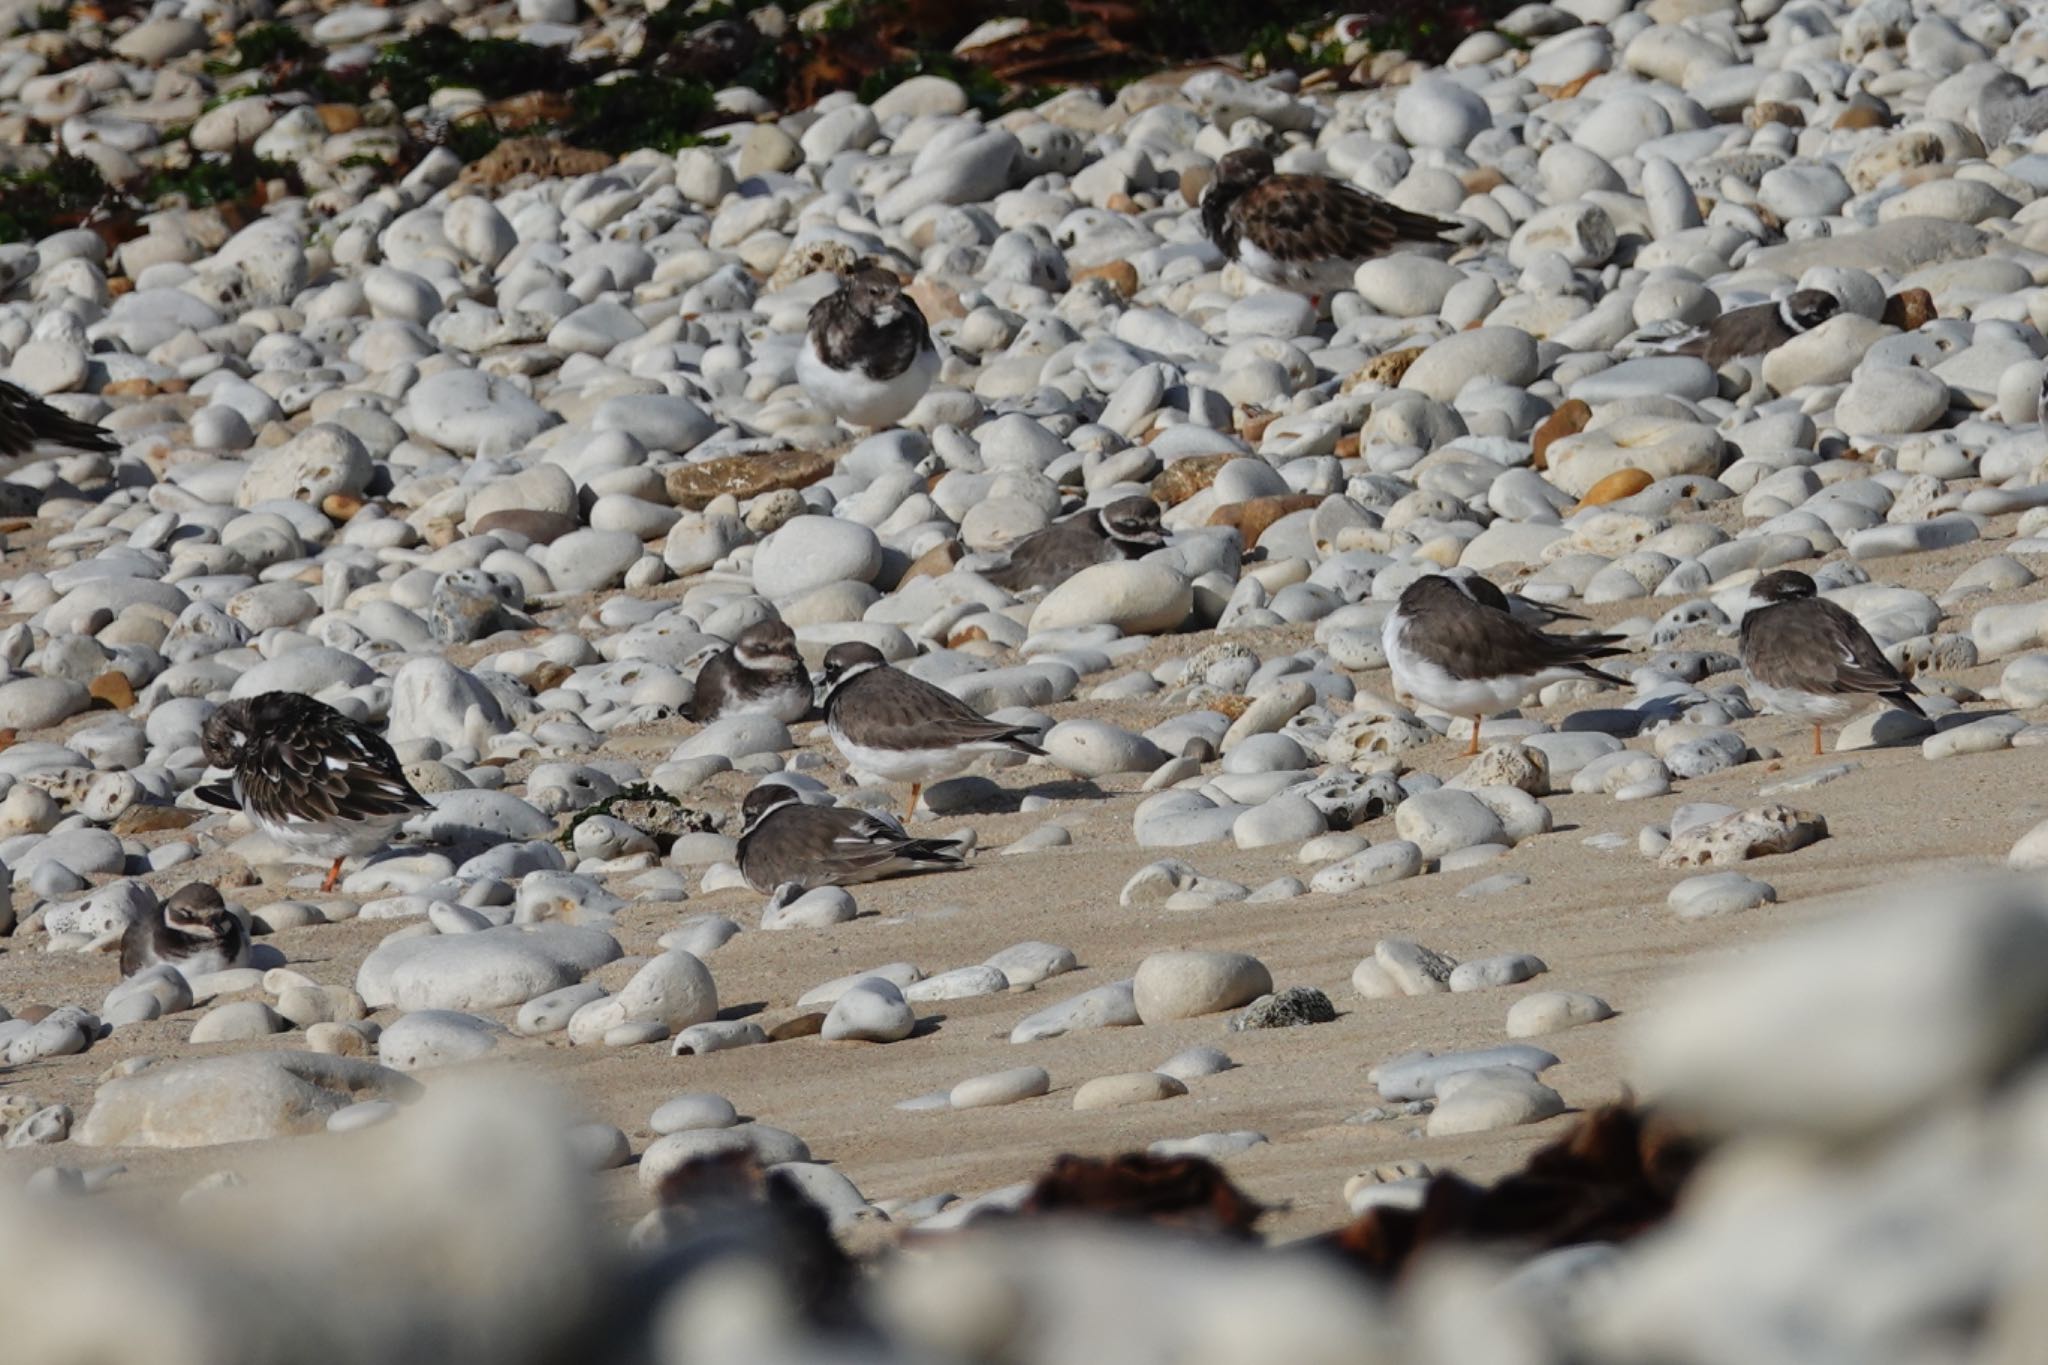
column 1313, row 218
column 26, row 421
column 910, row 713
column 1815, row 646
column 1861, row 665
column 221, row 794
column 317, row 766
column 1047, row 558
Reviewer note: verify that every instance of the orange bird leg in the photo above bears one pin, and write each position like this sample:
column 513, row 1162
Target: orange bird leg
column 333, row 878
column 1816, row 741
column 1473, row 749
column 910, row 811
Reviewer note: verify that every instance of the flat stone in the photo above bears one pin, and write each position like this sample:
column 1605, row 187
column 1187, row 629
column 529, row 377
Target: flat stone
column 1718, row 893
column 1000, row 1087
column 233, row 1099
column 1135, row 1087
column 1183, row 985
column 1542, row 1012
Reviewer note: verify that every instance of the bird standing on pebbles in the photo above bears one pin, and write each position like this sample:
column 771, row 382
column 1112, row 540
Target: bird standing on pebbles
column 1449, row 646
column 903, row 729
column 193, row 931
column 784, row 842
column 314, row 780
column 1306, row 233
column 868, row 355
column 1808, row 657
column 29, row 427
column 758, row 674
column 1125, row 529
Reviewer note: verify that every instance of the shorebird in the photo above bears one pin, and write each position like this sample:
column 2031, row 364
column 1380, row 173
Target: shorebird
column 759, row 673
column 901, row 728
column 868, row 355
column 1125, row 529
column 1759, row 328
column 784, row 842
column 1808, row 657
column 193, row 931
column 1306, row 233
column 30, row 427
column 1527, row 610
column 306, row 775
column 1448, row 646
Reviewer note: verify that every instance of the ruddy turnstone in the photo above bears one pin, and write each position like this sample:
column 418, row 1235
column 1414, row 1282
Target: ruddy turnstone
column 1808, row 657
column 901, row 728
column 760, row 673
column 1125, row 529
column 784, row 842
column 868, row 355
column 1759, row 328
column 193, row 931
column 1306, row 233
column 1447, row 646
column 29, row 426
column 307, row 776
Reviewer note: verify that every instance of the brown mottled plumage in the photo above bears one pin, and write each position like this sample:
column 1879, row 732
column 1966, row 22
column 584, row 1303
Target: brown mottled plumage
column 1303, row 232
column 308, row 776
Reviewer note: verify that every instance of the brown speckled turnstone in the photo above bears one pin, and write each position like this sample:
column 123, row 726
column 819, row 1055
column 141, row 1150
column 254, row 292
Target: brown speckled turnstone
column 308, row 776
column 1447, row 646
column 759, row 673
column 193, row 931
column 900, row 728
column 1125, row 529
column 868, row 355
column 1759, row 328
column 29, row 426
column 784, row 842
column 1808, row 657
column 1306, row 233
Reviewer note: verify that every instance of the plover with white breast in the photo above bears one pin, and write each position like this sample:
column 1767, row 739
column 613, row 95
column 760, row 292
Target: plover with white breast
column 1758, row 329
column 308, row 776
column 193, row 931
column 1127, row 528
column 759, row 673
column 1808, row 657
column 1448, row 647
column 868, row 355
column 901, row 728
column 784, row 842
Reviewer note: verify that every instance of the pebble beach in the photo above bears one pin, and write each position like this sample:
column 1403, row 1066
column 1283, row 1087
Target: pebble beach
column 470, row 408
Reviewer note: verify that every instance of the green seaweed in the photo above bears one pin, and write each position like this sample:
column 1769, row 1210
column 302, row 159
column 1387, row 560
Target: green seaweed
column 37, row 202
column 637, row 792
column 262, row 45
column 639, row 111
column 216, row 179
column 411, row 69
